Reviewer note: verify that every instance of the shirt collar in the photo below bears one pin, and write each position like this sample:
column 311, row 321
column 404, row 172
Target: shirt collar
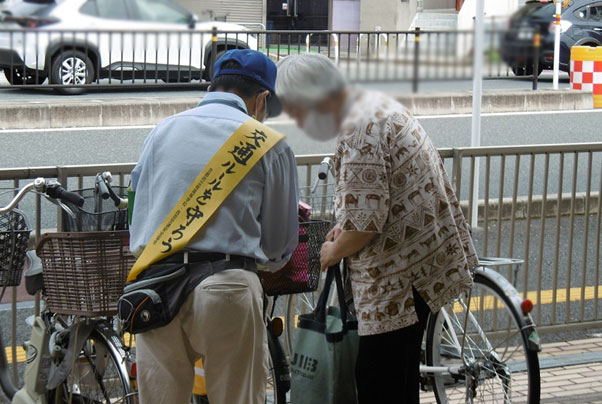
column 221, row 95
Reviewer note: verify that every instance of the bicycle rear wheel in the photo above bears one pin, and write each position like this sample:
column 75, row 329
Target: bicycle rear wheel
column 297, row 304
column 501, row 368
column 98, row 375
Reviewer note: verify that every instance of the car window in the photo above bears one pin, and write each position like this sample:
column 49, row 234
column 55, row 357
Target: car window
column 110, row 9
column 28, row 9
column 595, row 13
column 581, row 13
column 161, row 11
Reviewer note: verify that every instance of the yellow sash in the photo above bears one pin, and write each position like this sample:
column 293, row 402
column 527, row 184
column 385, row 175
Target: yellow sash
column 221, row 175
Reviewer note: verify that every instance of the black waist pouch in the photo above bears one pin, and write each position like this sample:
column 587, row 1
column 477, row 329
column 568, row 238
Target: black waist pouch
column 155, row 298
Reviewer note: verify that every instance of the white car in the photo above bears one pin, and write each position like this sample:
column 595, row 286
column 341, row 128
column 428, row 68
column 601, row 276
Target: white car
column 75, row 42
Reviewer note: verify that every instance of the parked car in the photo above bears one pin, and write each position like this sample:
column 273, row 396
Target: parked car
column 80, row 41
column 581, row 25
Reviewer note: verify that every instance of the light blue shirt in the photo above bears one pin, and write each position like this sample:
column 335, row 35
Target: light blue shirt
column 259, row 219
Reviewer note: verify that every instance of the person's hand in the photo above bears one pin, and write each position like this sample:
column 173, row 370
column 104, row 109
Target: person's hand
column 328, row 257
column 333, row 233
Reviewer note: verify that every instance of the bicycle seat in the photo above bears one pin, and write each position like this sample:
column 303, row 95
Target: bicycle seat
column 34, row 280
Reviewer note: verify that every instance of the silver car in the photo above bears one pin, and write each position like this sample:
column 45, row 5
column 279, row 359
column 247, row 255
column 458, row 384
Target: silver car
column 76, row 42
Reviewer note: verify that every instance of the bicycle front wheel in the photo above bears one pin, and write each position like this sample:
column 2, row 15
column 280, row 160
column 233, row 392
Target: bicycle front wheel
column 497, row 366
column 98, row 375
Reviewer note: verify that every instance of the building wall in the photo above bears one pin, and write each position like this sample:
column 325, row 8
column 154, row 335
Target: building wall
column 239, row 11
column 439, row 4
column 380, row 13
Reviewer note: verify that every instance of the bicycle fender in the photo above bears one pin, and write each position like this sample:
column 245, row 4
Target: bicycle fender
column 526, row 323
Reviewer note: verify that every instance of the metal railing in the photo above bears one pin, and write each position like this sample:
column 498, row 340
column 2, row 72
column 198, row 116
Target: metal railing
column 76, row 59
column 540, row 203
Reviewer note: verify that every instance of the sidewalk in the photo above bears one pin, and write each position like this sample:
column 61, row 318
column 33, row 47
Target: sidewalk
column 571, row 372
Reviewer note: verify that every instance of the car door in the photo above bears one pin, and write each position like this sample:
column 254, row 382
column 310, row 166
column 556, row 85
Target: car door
column 594, row 21
column 107, row 21
column 170, row 43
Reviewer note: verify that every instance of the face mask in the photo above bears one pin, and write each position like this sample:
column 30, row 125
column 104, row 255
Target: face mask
column 321, row 127
column 265, row 111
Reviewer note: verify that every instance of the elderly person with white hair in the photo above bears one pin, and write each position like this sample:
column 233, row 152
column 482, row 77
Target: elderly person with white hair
column 399, row 224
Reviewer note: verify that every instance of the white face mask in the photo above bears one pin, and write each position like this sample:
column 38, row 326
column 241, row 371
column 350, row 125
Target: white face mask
column 265, row 112
column 321, row 127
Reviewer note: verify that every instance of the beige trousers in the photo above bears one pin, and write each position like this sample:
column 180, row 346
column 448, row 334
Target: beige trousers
column 222, row 322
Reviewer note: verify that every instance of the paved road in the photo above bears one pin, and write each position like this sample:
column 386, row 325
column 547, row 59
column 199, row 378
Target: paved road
column 15, row 94
column 27, row 148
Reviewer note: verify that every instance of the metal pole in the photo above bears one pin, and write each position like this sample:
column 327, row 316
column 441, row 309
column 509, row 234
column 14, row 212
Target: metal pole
column 536, row 48
column 557, row 44
column 477, row 97
column 213, row 49
column 416, row 61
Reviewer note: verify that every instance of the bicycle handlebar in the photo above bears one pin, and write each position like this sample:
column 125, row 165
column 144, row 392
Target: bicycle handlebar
column 56, row 191
column 103, row 182
column 325, row 165
column 53, row 189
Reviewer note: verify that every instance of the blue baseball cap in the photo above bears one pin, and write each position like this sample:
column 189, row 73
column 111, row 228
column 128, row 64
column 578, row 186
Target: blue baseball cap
column 256, row 66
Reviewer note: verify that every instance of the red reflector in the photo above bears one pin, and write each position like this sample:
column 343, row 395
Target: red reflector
column 526, row 306
column 133, row 370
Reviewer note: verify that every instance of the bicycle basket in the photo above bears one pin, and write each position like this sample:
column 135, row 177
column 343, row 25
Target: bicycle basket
column 321, row 200
column 302, row 272
column 96, row 215
column 84, row 273
column 14, row 239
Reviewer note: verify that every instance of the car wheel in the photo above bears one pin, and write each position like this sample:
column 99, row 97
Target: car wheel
column 209, row 70
column 69, row 68
column 16, row 77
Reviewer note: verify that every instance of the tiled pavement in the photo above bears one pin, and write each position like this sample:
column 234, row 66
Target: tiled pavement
column 571, row 372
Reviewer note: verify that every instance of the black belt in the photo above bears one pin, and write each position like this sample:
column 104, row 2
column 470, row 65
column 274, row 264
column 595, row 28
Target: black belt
column 224, row 261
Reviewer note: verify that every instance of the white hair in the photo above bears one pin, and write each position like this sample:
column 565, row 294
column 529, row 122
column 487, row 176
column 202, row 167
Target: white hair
column 308, row 78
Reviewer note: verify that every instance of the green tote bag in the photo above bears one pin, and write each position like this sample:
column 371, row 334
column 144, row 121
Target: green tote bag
column 325, row 351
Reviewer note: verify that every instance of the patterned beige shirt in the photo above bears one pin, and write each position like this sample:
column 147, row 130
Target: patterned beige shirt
column 391, row 181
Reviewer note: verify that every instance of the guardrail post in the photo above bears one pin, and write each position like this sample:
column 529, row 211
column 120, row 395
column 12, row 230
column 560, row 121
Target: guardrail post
column 307, row 37
column 416, row 61
column 336, row 48
column 213, row 48
column 536, row 49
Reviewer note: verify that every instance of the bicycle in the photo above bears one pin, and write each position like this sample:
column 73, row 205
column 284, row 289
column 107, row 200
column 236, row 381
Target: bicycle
column 475, row 349
column 74, row 354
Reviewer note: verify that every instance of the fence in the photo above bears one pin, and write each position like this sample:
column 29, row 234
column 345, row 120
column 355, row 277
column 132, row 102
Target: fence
column 75, row 59
column 539, row 203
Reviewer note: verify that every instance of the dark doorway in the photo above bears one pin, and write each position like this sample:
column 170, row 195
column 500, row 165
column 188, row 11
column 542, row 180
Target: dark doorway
column 310, row 15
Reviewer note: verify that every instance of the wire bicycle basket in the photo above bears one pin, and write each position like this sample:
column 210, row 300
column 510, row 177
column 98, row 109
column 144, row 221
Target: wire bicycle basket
column 302, row 273
column 84, row 273
column 97, row 214
column 14, row 240
column 321, row 200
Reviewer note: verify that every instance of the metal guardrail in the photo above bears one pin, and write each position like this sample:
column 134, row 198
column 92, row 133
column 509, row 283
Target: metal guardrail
column 75, row 59
column 540, row 203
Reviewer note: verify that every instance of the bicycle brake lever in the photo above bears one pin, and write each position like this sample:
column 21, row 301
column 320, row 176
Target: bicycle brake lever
column 62, row 206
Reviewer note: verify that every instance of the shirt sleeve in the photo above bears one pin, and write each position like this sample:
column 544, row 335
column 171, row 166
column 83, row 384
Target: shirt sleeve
column 362, row 187
column 279, row 210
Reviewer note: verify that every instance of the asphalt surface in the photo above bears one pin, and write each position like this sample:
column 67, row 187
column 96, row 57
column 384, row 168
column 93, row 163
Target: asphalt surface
column 433, row 86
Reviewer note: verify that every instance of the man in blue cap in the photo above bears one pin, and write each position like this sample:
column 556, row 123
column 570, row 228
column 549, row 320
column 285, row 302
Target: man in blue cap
column 256, row 225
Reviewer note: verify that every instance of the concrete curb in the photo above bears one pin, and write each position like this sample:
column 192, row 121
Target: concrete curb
column 499, row 101
column 59, row 113
column 520, row 208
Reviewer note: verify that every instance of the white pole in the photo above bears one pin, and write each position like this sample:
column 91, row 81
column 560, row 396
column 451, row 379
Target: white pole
column 557, row 44
column 477, row 96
